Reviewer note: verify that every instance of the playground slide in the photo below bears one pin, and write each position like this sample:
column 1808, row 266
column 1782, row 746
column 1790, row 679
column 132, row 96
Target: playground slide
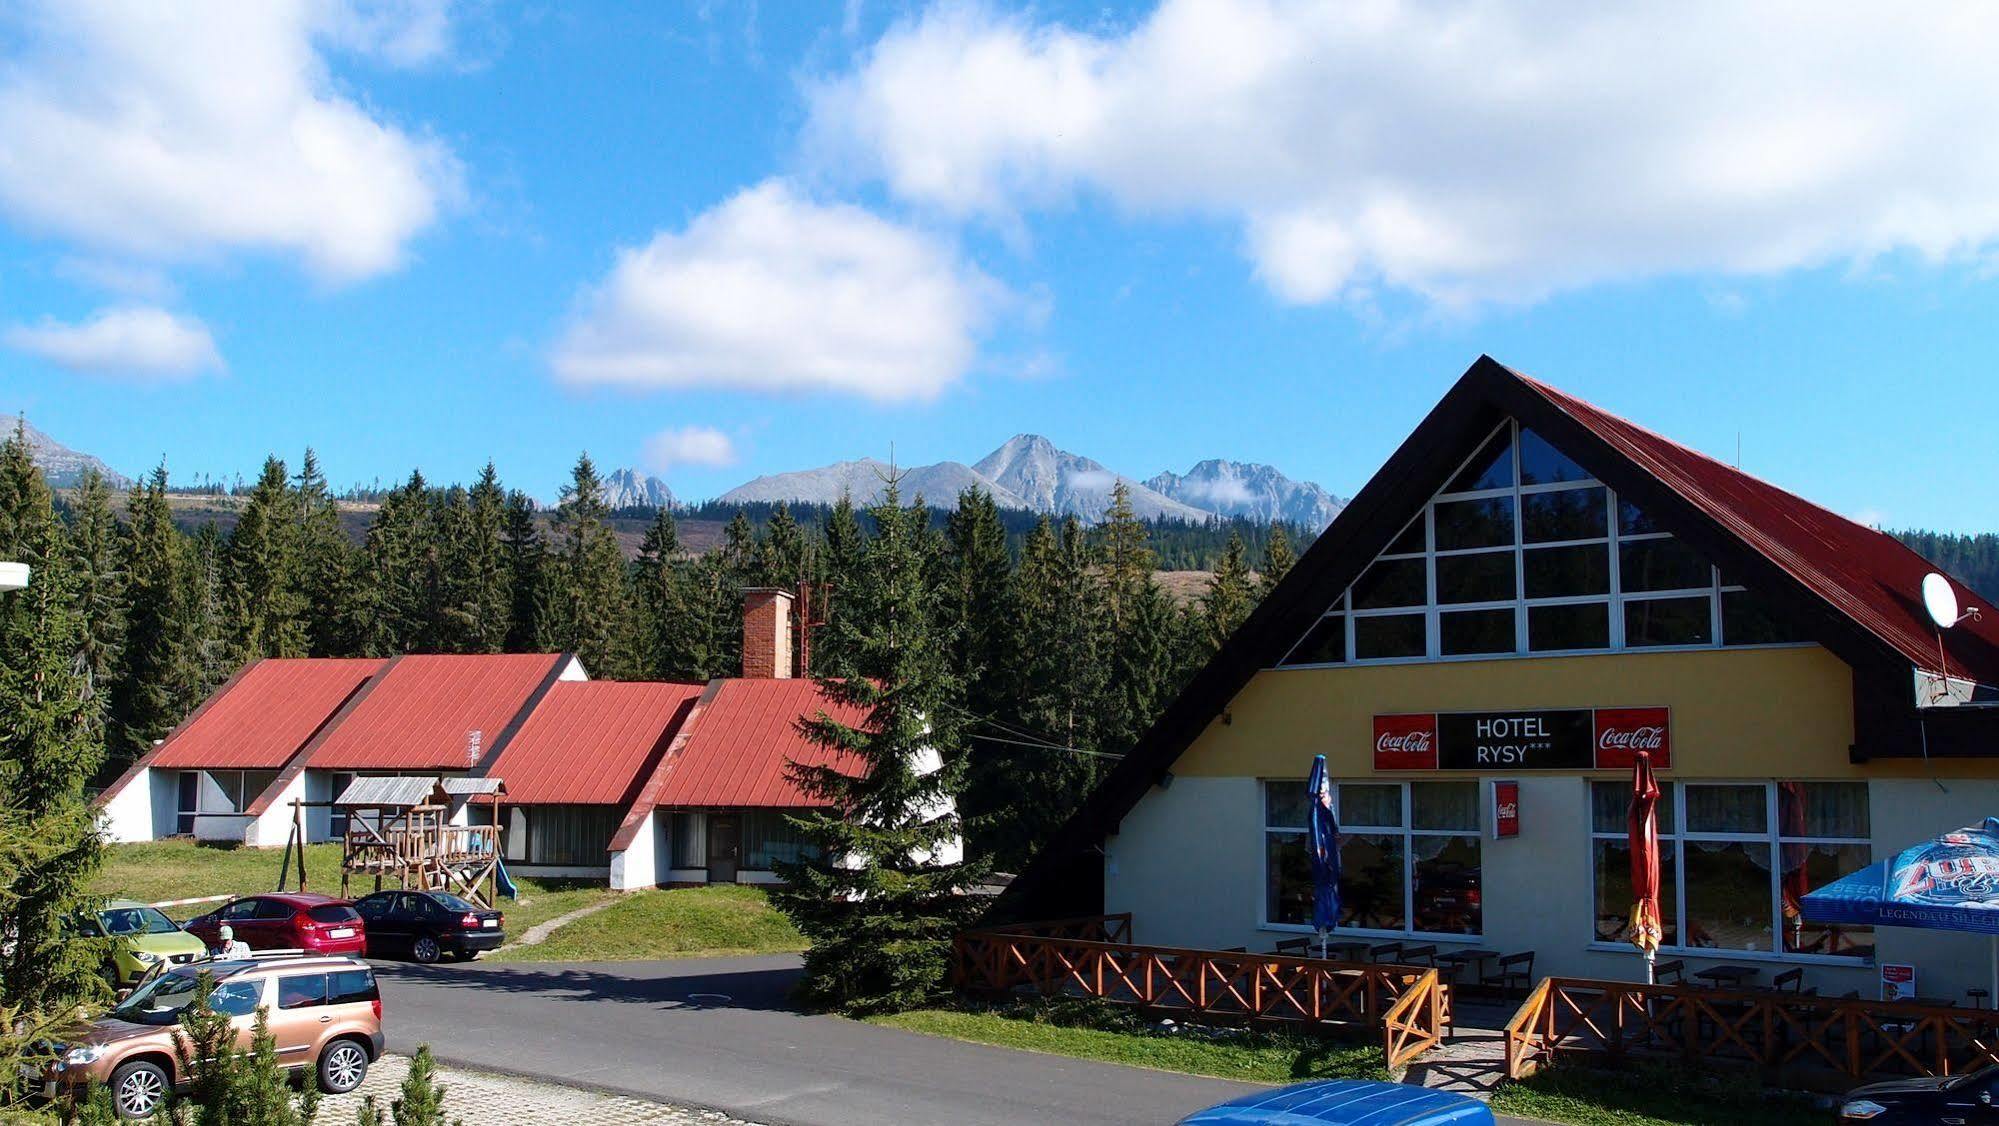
column 504, row 882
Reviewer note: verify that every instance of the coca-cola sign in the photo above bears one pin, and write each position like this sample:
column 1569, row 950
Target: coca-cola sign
column 1545, row 739
column 1622, row 732
column 1505, row 810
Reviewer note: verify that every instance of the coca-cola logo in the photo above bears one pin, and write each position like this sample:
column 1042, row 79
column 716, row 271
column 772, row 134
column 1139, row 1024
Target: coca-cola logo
column 1402, row 742
column 1649, row 738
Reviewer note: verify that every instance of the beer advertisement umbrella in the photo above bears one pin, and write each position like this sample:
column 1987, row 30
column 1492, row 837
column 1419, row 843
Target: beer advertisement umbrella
column 1949, row 883
column 1325, row 845
column 1643, row 817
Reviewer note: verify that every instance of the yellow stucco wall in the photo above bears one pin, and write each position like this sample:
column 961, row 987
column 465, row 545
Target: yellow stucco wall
column 1736, row 713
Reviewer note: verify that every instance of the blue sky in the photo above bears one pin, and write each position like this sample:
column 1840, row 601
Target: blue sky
column 722, row 240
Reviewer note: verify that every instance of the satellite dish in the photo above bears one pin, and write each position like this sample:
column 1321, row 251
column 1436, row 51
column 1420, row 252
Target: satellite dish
column 1940, row 600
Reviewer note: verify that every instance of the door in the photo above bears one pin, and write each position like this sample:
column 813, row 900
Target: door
column 725, row 842
column 241, row 919
column 300, row 1016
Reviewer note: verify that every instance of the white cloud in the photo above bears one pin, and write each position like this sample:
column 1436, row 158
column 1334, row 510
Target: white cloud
column 138, row 342
column 1464, row 152
column 172, row 131
column 769, row 291
column 689, row 445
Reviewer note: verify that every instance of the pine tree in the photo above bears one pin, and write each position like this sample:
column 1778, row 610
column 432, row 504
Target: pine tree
column 781, row 555
column 263, row 574
column 1139, row 628
column 488, row 594
column 1278, row 559
column 204, row 655
column 661, row 622
column 143, row 706
column 587, row 615
column 326, row 567
column 227, row 1087
column 1229, row 598
column 844, row 543
column 884, row 894
column 978, row 600
column 401, row 599
column 50, row 748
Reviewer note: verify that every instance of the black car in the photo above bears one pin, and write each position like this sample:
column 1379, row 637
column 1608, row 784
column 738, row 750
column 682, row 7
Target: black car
column 1972, row 1098
column 428, row 925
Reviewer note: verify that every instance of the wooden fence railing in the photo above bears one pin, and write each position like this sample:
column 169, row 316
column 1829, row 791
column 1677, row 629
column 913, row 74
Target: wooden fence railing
column 1803, row 1040
column 1089, row 928
column 1230, row 987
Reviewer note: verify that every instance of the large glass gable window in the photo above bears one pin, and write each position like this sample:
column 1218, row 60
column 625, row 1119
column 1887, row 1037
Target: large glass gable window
column 1525, row 553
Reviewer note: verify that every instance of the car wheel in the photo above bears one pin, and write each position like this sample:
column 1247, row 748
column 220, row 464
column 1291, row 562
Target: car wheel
column 342, row 1067
column 139, row 1089
column 425, row 949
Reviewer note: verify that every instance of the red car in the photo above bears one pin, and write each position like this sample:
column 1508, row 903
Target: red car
column 286, row 920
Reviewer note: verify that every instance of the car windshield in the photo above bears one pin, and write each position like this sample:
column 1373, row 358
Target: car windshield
column 452, row 902
column 126, row 921
column 161, row 1000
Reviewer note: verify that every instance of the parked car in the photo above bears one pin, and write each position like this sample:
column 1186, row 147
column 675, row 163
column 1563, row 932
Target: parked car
column 428, row 925
column 326, row 1014
column 1971, row 1097
column 142, row 938
column 1350, row 1102
column 286, row 921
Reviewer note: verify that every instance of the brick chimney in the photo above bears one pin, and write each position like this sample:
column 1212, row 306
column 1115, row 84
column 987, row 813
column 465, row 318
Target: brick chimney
column 767, row 634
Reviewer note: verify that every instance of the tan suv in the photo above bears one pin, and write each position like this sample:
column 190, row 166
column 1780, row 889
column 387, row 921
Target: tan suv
column 325, row 1013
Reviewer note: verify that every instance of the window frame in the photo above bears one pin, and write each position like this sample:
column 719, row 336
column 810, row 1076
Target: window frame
column 1406, row 830
column 1614, row 599
column 1773, row 837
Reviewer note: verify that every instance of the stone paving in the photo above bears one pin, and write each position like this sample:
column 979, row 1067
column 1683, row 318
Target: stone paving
column 483, row 1099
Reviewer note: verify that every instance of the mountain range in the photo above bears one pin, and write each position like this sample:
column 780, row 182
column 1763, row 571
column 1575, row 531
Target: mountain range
column 627, row 488
column 63, row 466
column 1030, row 472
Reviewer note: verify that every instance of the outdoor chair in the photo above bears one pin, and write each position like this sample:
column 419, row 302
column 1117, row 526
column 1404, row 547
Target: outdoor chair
column 1295, row 947
column 1425, row 954
column 1509, row 969
column 1790, row 981
column 1385, row 952
column 1672, row 972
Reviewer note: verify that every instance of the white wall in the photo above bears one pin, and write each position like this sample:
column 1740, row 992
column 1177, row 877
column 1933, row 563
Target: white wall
column 1904, row 812
column 1188, row 864
column 129, row 815
column 635, row 866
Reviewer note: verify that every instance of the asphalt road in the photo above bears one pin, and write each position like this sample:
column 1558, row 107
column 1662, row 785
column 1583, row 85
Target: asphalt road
column 716, row 1033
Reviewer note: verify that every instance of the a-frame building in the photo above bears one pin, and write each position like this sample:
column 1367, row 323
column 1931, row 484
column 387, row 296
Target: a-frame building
column 1528, row 590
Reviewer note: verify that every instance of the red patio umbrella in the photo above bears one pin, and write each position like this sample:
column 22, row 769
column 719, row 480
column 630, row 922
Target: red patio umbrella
column 1795, row 883
column 1646, row 930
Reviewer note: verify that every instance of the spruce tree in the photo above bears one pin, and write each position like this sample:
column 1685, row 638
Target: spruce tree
column 1139, row 629
column 400, row 596
column 264, row 577
column 781, row 554
column 1278, row 559
column 50, row 748
column 526, row 555
column 885, row 891
column 326, row 567
column 587, row 614
column 143, row 706
column 978, row 600
column 98, row 555
column 844, row 543
column 661, row 623
column 204, row 655
column 487, row 592
column 1230, row 596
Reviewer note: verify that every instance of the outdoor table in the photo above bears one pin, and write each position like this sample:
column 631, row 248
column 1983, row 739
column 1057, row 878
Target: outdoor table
column 1732, row 976
column 1346, row 951
column 1473, row 956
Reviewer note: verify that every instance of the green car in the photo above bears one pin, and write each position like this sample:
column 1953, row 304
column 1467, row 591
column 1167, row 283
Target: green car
column 144, row 939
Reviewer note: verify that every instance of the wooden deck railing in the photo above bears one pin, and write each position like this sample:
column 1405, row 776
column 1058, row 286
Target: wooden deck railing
column 1089, row 928
column 1803, row 1040
column 1307, row 994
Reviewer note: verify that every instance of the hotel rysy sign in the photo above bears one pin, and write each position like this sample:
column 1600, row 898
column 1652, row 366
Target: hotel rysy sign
column 1548, row 739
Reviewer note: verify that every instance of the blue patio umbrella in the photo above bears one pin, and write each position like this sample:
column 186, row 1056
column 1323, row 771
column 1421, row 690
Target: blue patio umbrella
column 1325, row 853
column 1949, row 882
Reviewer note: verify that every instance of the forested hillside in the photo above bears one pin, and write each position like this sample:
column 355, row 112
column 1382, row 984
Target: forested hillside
column 1063, row 642
column 1973, row 560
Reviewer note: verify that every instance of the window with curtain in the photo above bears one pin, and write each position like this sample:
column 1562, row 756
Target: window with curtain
column 768, row 836
column 1736, row 859
column 572, row 835
column 1524, row 552
column 1409, row 856
column 690, row 840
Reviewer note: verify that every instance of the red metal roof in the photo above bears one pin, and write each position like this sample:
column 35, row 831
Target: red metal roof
column 736, row 749
column 591, row 742
column 420, row 712
column 261, row 718
column 1866, row 574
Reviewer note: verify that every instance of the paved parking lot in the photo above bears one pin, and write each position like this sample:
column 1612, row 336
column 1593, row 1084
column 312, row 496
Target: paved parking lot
column 481, row 1098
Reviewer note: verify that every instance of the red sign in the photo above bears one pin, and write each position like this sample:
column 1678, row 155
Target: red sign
column 1505, row 810
column 1622, row 732
column 1405, row 742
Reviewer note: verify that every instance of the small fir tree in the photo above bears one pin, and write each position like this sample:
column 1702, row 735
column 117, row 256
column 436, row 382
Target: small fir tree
column 1278, row 559
column 885, row 892
column 1229, row 599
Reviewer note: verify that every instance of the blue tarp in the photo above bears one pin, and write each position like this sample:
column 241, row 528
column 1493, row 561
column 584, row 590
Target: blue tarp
column 1325, row 849
column 1950, row 883
column 1348, row 1102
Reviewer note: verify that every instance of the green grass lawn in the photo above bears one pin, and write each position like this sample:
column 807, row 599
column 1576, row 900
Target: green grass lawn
column 668, row 923
column 1654, row 1096
column 1116, row 1036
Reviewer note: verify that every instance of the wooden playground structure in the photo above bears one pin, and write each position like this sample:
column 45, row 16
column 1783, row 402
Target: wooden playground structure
column 401, row 829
